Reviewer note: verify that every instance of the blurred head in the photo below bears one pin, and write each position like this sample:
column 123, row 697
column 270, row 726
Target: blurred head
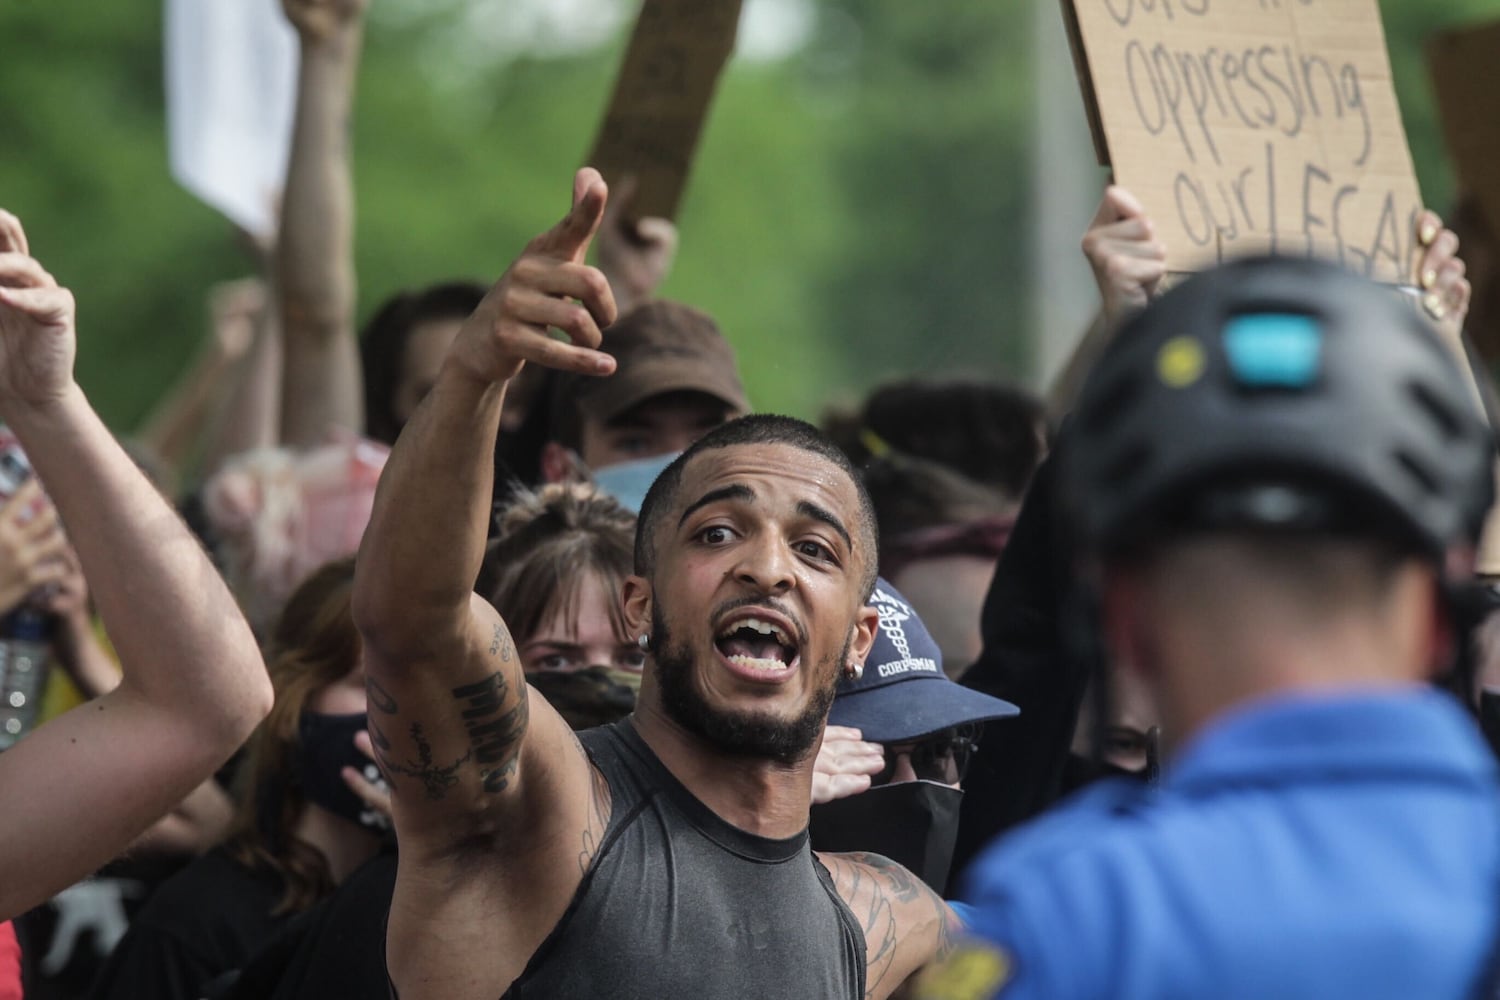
column 276, row 514
column 402, row 348
column 1275, row 467
column 555, row 573
column 904, row 700
column 941, row 534
column 754, row 559
column 676, row 380
column 315, row 666
column 928, row 726
column 991, row 434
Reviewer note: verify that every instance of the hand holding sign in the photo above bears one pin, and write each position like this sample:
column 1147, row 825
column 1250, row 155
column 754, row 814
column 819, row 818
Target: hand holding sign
column 1129, row 262
column 548, row 286
column 320, row 20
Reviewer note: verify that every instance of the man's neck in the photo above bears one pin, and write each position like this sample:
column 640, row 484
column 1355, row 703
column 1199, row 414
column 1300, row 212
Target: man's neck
column 759, row 796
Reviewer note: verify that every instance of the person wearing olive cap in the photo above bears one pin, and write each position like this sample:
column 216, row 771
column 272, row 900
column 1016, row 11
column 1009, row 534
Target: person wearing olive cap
column 1276, row 479
column 927, row 725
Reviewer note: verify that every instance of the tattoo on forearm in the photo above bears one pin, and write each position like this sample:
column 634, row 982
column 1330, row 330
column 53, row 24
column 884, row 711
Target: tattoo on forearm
column 435, row 780
column 379, row 698
column 383, row 748
column 494, row 738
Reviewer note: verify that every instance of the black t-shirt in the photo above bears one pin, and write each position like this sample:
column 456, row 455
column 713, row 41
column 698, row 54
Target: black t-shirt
column 205, row 921
column 336, row 949
column 680, row 903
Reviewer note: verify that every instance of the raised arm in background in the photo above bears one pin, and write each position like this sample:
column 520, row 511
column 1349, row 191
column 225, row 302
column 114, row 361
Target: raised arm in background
column 84, row 785
column 473, row 759
column 228, row 399
column 250, row 415
column 321, row 381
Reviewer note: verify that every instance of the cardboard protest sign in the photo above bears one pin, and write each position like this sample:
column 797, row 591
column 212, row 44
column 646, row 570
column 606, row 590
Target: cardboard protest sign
column 1463, row 68
column 1253, row 126
column 231, row 73
column 661, row 98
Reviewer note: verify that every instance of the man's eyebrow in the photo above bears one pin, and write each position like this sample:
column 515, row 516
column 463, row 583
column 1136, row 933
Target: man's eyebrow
column 734, row 492
column 812, row 510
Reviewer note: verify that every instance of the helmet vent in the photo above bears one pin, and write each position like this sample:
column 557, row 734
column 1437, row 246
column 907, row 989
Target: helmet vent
column 1116, row 398
column 1127, row 464
column 1418, row 471
column 1442, row 415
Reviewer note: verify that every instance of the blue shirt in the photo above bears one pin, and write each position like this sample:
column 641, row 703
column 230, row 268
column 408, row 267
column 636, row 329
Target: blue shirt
column 1309, row 847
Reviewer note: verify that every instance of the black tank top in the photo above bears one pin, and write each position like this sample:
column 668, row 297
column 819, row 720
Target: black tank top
column 679, row 903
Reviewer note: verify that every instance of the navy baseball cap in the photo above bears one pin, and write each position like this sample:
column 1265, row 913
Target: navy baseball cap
column 903, row 694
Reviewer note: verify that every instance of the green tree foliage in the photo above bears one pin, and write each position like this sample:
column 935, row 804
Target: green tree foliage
column 858, row 210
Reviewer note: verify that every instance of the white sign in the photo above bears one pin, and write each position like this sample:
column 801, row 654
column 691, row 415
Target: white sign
column 231, row 72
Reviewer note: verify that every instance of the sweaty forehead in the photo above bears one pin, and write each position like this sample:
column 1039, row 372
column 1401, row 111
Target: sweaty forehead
column 776, row 472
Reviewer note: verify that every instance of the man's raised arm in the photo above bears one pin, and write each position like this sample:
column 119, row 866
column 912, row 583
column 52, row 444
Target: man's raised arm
column 448, row 701
column 81, row 787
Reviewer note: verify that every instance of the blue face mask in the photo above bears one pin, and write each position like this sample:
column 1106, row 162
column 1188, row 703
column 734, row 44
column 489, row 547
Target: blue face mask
column 628, row 482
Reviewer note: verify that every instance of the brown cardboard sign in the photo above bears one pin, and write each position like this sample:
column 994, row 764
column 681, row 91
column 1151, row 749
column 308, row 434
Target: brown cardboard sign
column 1252, row 126
column 661, row 98
column 1465, row 70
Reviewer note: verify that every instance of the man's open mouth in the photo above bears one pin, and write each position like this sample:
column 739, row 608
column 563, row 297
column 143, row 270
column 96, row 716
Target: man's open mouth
column 757, row 642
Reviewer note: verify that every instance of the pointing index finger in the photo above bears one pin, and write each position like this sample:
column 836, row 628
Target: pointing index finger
column 12, row 236
column 570, row 238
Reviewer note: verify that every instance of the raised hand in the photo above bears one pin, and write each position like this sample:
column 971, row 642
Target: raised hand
column 33, row 552
column 37, row 341
column 637, row 255
column 845, row 764
column 548, row 287
column 316, row 20
column 1128, row 261
column 1441, row 275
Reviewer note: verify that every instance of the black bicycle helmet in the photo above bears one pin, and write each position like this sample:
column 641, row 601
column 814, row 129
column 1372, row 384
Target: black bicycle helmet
column 1284, row 394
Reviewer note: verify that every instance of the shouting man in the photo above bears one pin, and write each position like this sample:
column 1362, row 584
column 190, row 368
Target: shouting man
column 666, row 856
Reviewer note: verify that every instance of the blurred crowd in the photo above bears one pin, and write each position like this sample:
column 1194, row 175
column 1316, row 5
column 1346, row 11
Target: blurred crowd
column 499, row 646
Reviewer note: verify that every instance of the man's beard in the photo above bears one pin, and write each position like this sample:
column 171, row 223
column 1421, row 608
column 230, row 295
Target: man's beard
column 742, row 734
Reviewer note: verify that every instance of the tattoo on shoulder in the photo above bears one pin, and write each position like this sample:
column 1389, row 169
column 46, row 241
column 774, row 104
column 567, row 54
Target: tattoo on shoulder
column 501, row 644
column 882, row 895
column 494, row 736
column 435, row 780
column 598, row 818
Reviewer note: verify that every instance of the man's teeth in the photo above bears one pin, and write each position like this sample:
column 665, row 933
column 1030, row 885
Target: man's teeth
column 758, row 663
column 760, row 625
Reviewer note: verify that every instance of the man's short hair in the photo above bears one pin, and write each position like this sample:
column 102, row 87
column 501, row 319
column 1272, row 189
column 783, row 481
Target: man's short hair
column 759, row 428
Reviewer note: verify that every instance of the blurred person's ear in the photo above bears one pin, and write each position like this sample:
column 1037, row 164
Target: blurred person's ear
column 557, row 463
column 1125, row 639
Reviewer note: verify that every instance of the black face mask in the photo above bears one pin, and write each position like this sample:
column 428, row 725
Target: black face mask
column 914, row 823
column 325, row 748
